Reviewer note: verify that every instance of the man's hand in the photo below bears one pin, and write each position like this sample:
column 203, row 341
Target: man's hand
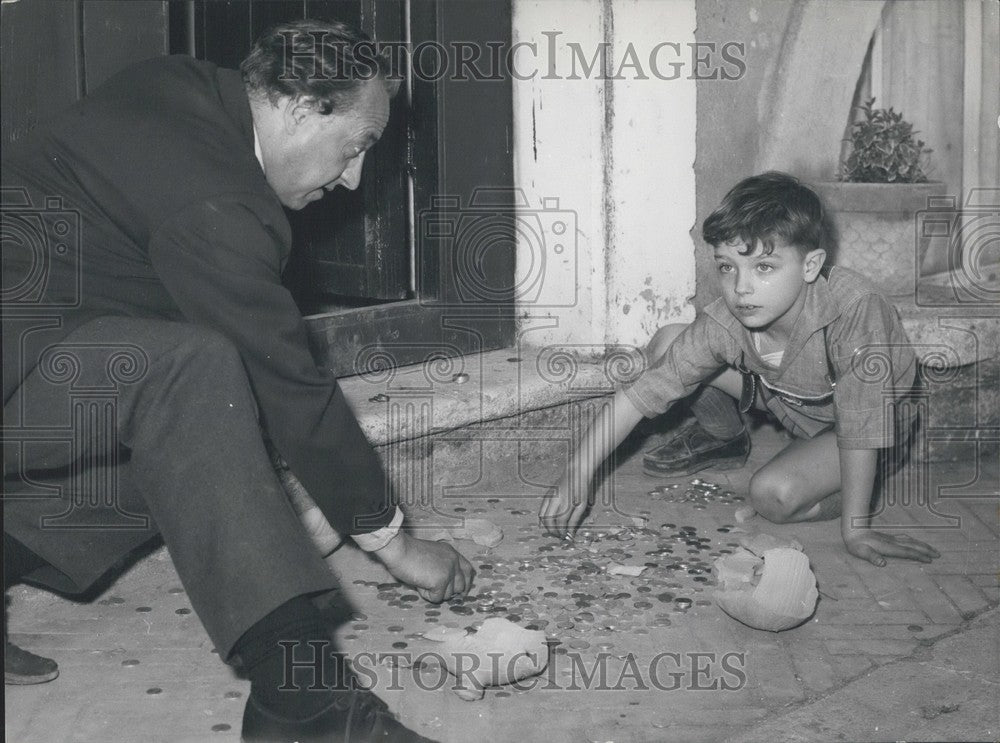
column 434, row 569
column 563, row 508
column 875, row 546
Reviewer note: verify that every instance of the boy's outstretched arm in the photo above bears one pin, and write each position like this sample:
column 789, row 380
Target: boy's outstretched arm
column 563, row 507
column 857, row 471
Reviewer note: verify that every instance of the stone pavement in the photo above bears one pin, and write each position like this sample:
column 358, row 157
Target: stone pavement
column 904, row 651
column 951, row 695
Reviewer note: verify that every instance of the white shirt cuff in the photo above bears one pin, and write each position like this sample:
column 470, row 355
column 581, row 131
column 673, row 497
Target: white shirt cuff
column 379, row 538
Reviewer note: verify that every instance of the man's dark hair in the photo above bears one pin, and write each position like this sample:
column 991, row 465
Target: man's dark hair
column 766, row 208
column 325, row 61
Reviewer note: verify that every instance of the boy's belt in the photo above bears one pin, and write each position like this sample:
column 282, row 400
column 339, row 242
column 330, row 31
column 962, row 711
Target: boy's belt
column 750, row 385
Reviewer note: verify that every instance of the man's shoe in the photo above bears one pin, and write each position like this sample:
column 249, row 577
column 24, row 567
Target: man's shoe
column 356, row 716
column 693, row 450
column 22, row 667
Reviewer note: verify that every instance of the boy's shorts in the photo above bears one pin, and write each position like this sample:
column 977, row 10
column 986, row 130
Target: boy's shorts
column 906, row 423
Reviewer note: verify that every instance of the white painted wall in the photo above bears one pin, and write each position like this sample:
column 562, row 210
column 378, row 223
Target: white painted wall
column 617, row 150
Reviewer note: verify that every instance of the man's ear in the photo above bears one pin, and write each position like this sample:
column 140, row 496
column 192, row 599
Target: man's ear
column 296, row 111
column 813, row 263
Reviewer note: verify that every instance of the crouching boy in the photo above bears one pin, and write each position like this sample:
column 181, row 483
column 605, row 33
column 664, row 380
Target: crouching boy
column 819, row 348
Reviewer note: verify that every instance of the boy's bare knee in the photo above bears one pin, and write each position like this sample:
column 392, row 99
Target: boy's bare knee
column 773, row 496
column 662, row 339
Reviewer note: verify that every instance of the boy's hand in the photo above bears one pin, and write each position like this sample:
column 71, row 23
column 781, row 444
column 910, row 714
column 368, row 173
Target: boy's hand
column 875, row 546
column 563, row 508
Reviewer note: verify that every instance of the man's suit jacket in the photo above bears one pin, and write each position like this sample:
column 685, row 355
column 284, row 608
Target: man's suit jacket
column 177, row 221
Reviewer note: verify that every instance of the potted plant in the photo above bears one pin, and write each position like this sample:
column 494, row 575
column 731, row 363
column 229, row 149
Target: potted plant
column 881, row 186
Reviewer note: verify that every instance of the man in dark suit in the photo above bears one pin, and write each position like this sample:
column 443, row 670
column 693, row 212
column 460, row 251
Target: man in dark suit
column 148, row 341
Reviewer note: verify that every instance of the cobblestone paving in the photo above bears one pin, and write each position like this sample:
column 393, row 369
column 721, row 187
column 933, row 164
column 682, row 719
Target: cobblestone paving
column 644, row 658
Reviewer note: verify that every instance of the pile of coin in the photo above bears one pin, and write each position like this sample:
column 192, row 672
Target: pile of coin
column 564, row 587
column 699, row 493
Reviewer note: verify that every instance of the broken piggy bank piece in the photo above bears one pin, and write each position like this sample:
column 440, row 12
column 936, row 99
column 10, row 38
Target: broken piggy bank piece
column 775, row 593
column 481, row 531
column 500, row 653
column 761, row 543
column 631, row 571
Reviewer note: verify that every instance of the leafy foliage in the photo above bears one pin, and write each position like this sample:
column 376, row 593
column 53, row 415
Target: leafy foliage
column 883, row 149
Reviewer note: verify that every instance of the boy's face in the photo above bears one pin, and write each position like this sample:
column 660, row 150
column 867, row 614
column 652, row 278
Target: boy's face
column 766, row 292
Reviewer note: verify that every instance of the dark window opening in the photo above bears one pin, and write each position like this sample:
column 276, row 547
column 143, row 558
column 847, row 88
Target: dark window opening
column 362, row 270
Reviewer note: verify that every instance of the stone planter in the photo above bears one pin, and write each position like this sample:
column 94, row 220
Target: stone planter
column 876, row 232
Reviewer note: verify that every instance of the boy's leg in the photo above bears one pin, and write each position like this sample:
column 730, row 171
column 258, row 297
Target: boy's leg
column 801, row 483
column 718, row 439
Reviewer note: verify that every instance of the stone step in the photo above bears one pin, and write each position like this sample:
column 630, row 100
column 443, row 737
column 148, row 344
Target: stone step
column 523, row 403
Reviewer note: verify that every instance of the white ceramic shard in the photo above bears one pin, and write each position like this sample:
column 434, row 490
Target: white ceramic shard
column 784, row 595
column 629, row 570
column 740, row 567
column 761, row 543
column 500, row 653
column 481, row 531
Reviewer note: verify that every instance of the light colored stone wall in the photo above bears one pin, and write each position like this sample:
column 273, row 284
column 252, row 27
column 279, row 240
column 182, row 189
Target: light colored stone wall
column 616, row 148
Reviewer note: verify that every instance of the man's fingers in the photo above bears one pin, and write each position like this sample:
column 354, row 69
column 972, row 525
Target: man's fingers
column 469, row 573
column 459, row 584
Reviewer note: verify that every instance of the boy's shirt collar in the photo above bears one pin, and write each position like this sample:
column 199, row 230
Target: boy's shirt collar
column 819, row 310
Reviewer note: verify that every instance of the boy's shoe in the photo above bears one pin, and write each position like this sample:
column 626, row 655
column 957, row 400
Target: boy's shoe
column 22, row 667
column 357, row 716
column 693, row 450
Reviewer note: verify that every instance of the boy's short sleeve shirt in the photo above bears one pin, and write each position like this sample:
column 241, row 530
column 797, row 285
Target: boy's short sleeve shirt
column 847, row 360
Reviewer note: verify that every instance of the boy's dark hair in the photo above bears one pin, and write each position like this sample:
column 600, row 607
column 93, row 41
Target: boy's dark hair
column 765, row 208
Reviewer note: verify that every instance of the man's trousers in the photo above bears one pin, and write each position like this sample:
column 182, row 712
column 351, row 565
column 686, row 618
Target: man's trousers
column 129, row 428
